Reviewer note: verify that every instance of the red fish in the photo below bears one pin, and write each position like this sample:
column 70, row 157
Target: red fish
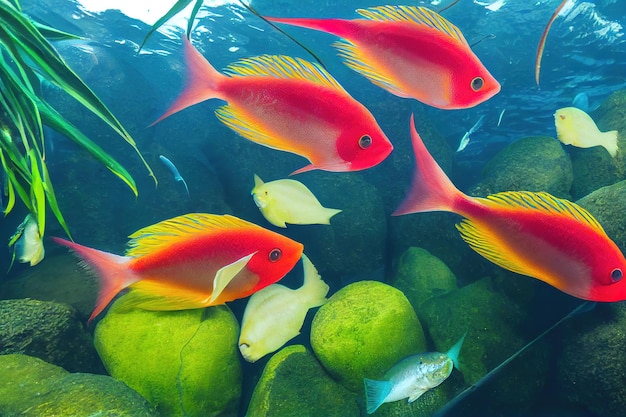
column 533, row 234
column 191, row 261
column 288, row 104
column 411, row 52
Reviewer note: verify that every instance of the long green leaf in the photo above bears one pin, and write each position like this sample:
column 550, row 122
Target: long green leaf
column 52, row 199
column 37, row 192
column 176, row 8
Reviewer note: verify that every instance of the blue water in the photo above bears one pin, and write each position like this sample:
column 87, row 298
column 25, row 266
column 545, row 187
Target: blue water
column 585, row 53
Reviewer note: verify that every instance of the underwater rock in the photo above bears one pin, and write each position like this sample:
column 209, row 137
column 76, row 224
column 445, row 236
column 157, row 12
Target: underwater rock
column 30, row 387
column 607, row 206
column 421, row 276
column 536, row 163
column 591, row 364
column 295, row 384
column 50, row 331
column 493, row 325
column 185, row 363
column 363, row 330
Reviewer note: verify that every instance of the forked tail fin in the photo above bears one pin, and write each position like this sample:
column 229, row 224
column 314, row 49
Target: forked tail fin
column 431, row 189
column 201, row 84
column 375, row 393
column 112, row 272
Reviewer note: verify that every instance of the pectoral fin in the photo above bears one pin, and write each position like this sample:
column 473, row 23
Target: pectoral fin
column 225, row 275
column 416, row 395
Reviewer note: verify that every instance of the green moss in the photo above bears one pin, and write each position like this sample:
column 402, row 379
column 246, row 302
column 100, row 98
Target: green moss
column 31, row 387
column 363, row 330
column 295, row 384
column 421, row 276
column 183, row 362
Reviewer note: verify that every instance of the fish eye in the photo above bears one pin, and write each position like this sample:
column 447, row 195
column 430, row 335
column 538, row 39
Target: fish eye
column 562, row 117
column 275, row 255
column 477, row 83
column 365, row 141
column 616, row 274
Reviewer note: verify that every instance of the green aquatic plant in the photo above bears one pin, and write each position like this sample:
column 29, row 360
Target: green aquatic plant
column 27, row 58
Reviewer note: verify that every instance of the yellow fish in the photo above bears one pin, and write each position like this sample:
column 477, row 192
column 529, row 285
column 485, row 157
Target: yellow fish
column 27, row 242
column 577, row 128
column 275, row 314
column 289, row 201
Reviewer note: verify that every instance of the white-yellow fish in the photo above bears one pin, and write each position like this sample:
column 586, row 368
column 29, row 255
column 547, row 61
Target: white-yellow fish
column 275, row 314
column 577, row 128
column 27, row 242
column 289, row 201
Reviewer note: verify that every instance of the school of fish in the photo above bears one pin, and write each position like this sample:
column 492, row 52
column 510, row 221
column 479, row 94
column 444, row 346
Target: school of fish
column 292, row 105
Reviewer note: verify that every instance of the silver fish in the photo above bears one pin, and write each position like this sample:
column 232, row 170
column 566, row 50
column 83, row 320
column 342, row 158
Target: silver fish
column 412, row 377
column 170, row 165
column 466, row 137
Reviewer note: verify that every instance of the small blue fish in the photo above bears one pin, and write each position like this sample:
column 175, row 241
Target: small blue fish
column 500, row 118
column 412, row 377
column 466, row 137
column 581, row 101
column 170, row 165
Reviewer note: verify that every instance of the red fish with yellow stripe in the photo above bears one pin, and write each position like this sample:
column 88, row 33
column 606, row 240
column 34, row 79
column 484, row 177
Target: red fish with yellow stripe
column 533, row 234
column 412, row 52
column 191, row 261
column 288, row 104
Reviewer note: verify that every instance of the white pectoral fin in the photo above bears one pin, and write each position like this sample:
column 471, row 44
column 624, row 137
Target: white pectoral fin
column 225, row 275
column 417, row 394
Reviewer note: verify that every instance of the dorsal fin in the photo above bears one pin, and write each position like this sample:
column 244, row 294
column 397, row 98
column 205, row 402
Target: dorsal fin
column 417, row 15
column 164, row 233
column 545, row 202
column 281, row 66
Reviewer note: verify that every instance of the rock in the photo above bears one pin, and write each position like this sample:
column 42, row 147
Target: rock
column 421, row 276
column 535, row 163
column 493, row 325
column 31, row 387
column 294, row 384
column 363, row 330
column 183, row 362
column 607, row 206
column 591, row 364
column 49, row 331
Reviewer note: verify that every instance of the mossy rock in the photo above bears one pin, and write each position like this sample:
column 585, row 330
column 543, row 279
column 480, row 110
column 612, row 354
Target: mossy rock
column 295, row 384
column 363, row 330
column 421, row 276
column 607, row 206
column 536, row 163
column 47, row 330
column 185, row 363
column 31, row 387
column 494, row 325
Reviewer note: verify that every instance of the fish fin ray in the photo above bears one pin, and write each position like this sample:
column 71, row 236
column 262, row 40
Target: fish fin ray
column 416, row 395
column 375, row 393
column 156, row 296
column 542, row 201
column 225, row 275
column 164, row 233
column 353, row 58
column 281, row 66
column 413, row 14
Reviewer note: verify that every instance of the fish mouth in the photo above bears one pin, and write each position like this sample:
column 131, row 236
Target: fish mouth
column 258, row 201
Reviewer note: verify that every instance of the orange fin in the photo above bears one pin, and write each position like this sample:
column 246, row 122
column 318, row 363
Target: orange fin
column 167, row 232
column 157, row 296
column 354, row 58
column 413, row 14
column 280, row 66
column 241, row 123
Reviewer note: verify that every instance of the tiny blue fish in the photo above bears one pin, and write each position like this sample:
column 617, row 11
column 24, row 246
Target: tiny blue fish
column 412, row 377
column 466, row 137
column 581, row 101
column 170, row 165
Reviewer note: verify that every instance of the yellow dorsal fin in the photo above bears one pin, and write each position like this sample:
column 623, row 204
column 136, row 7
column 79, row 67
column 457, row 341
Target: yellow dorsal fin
column 417, row 15
column 545, row 202
column 280, row 66
column 164, row 233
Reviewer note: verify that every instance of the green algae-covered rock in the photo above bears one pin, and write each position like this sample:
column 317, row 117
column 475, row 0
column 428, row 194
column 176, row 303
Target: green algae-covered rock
column 47, row 330
column 295, row 384
column 535, row 163
column 607, row 206
column 185, row 363
column 591, row 364
column 493, row 324
column 31, row 387
column 363, row 330
column 421, row 276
